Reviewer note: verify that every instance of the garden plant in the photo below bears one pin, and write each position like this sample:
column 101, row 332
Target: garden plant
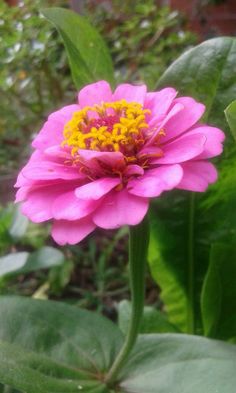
column 162, row 162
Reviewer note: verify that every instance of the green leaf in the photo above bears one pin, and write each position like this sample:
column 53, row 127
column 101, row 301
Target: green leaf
column 183, row 224
column 88, row 55
column 153, row 321
column 50, row 347
column 207, row 73
column 230, row 114
column 19, row 224
column 218, row 299
column 35, row 373
column 169, row 363
column 24, row 262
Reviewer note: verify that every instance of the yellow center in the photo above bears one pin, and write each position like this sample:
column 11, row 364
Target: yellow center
column 112, row 126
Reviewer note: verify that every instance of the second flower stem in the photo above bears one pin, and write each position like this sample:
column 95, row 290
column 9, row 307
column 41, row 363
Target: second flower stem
column 138, row 245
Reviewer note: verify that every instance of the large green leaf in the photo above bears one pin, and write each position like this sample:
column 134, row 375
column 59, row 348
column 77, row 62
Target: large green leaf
column 87, row 53
column 184, row 225
column 169, row 363
column 24, row 262
column 50, row 347
column 219, row 293
column 230, row 113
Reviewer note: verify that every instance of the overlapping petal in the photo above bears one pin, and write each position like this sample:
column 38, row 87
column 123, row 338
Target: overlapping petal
column 197, row 176
column 72, row 232
column 120, row 208
column 52, row 132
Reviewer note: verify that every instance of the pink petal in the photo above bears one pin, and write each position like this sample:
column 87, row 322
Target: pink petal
column 95, row 93
column 49, row 170
column 183, row 120
column 97, row 188
column 214, row 138
column 177, row 108
column 68, row 207
column 150, row 151
column 38, row 206
column 133, row 169
column 130, row 93
column 22, row 193
column 58, row 152
column 110, row 159
column 197, row 176
column 182, row 149
column 52, row 132
column 120, row 208
column 21, row 181
column 72, row 232
column 157, row 180
column 159, row 103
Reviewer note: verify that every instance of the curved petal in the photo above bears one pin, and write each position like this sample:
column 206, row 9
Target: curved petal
column 130, row 93
column 120, row 208
column 95, row 93
column 197, row 176
column 133, row 170
column 49, row 170
column 52, row 132
column 214, row 138
column 71, row 232
column 68, row 207
column 159, row 103
column 110, row 159
column 97, row 188
column 182, row 149
column 155, row 181
column 177, row 108
column 183, row 120
column 22, row 193
column 38, row 206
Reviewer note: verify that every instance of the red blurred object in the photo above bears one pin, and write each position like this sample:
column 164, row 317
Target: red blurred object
column 208, row 19
column 12, row 3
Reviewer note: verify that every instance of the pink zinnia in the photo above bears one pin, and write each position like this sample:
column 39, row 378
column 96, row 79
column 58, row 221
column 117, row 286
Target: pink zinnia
column 98, row 162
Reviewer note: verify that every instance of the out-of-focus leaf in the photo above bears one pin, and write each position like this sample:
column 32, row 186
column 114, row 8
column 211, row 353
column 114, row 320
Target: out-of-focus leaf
column 230, row 113
column 24, row 262
column 184, row 225
column 87, row 53
column 218, row 298
column 153, row 321
column 19, row 224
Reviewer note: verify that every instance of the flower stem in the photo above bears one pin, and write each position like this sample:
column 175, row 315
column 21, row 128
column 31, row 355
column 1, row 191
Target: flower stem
column 191, row 316
column 138, row 245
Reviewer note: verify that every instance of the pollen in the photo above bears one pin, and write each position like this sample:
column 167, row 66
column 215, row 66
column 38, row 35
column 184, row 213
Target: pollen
column 111, row 126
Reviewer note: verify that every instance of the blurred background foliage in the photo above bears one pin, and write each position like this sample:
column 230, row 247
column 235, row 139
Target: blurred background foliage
column 34, row 74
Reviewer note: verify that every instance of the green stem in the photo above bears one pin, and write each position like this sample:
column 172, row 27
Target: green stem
column 191, row 320
column 138, row 245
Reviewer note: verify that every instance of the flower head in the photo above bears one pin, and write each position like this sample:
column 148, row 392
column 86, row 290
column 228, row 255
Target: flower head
column 98, row 162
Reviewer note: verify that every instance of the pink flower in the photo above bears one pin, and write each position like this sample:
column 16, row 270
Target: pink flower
column 98, row 162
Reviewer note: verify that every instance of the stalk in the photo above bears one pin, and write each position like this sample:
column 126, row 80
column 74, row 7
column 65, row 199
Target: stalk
column 138, row 246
